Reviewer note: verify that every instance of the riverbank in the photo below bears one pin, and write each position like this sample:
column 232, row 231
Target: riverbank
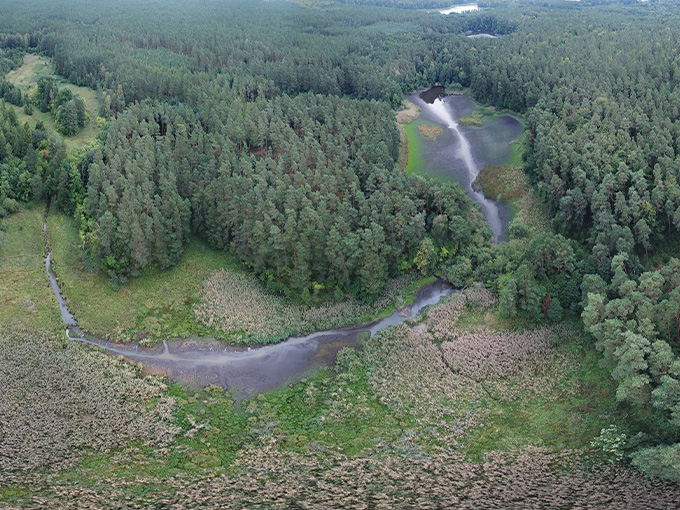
column 26, row 301
column 195, row 298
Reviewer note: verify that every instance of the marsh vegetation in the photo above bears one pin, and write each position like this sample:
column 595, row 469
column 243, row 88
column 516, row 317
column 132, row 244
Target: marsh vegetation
column 233, row 176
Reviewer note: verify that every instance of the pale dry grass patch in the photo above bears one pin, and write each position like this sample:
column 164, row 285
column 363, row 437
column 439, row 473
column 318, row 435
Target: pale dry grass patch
column 485, row 355
column 61, row 400
column 510, row 365
column 430, row 132
column 442, row 318
column 479, row 297
column 409, row 113
column 237, row 305
column 408, row 374
column 268, row 478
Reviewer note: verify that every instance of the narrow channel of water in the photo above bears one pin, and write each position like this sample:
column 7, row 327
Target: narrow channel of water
column 465, row 151
column 242, row 370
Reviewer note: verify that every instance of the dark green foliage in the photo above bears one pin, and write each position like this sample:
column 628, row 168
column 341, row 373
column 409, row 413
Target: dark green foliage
column 555, row 312
column 663, row 461
column 68, row 110
column 638, row 330
column 71, row 116
column 10, row 93
column 302, row 188
column 25, row 162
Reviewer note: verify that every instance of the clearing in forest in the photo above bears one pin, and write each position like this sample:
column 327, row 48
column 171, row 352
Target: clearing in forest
column 27, row 76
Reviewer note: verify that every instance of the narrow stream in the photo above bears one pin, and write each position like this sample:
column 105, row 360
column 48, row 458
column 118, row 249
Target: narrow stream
column 242, row 370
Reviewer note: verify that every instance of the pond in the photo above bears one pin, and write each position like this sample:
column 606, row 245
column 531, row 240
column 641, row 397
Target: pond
column 462, row 151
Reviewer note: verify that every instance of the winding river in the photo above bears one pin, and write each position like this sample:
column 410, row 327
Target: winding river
column 245, row 371
column 463, row 151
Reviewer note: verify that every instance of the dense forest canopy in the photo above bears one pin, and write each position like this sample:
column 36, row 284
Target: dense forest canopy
column 268, row 129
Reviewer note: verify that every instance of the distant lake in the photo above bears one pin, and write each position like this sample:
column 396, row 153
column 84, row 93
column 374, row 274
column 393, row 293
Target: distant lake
column 460, row 9
column 482, row 36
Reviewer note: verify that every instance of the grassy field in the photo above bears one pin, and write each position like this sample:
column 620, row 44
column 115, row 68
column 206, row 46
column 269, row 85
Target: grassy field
column 416, row 161
column 26, row 300
column 28, row 75
column 157, row 303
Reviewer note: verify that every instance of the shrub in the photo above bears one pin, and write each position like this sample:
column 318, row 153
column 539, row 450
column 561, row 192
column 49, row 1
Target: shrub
column 61, row 399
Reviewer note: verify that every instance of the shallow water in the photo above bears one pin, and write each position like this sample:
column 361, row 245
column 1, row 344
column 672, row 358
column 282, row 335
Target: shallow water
column 462, row 151
column 482, row 35
column 244, row 370
column 460, row 9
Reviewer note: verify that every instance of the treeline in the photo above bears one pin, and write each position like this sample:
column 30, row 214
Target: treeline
column 27, row 161
column 301, row 188
column 365, row 53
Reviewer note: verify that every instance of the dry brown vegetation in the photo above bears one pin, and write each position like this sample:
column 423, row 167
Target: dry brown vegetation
column 436, row 375
column 430, row 132
column 533, row 479
column 410, row 113
column 471, row 120
column 479, row 297
column 60, row 399
column 267, row 478
column 238, row 306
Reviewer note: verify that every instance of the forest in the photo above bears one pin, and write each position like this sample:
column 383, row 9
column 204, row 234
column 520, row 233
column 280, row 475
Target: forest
column 232, row 170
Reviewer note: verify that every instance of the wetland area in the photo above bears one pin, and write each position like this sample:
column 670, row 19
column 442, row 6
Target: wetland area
column 457, row 153
column 462, row 151
column 242, row 267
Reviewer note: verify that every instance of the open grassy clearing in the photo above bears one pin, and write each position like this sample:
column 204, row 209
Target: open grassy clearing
column 408, row 114
column 158, row 303
column 25, row 297
column 28, row 75
column 416, row 160
column 33, row 68
column 412, row 130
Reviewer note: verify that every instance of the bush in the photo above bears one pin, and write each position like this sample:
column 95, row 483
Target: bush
column 10, row 205
column 612, row 443
column 518, row 230
column 662, row 461
column 554, row 311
